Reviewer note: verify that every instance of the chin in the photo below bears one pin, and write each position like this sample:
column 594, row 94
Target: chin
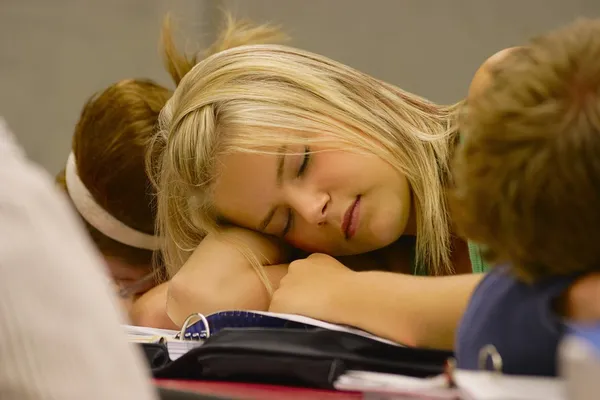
column 384, row 241
column 386, row 235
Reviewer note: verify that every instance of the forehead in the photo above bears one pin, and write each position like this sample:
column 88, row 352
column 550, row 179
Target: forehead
column 245, row 187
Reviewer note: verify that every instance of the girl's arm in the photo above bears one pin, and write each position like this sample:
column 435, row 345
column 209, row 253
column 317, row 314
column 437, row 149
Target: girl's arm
column 414, row 310
column 149, row 309
column 218, row 276
column 417, row 311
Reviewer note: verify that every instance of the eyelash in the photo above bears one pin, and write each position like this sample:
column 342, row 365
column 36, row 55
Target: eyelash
column 301, row 171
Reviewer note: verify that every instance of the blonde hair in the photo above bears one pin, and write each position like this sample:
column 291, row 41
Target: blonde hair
column 116, row 124
column 527, row 173
column 243, row 98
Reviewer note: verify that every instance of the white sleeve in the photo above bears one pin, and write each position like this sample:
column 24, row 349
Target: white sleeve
column 60, row 333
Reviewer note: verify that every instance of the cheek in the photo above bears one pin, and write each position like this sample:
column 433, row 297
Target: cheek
column 245, row 188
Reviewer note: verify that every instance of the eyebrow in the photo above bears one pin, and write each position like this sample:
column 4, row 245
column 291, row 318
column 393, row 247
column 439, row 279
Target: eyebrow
column 278, row 180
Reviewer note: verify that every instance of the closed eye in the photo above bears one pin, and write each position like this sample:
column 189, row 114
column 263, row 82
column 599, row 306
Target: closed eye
column 289, row 223
column 305, row 161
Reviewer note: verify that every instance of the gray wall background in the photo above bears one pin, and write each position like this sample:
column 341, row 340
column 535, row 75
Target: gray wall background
column 56, row 53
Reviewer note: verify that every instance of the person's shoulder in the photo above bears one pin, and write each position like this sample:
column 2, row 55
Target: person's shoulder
column 518, row 318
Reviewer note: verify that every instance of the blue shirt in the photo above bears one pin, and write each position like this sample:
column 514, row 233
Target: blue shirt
column 518, row 319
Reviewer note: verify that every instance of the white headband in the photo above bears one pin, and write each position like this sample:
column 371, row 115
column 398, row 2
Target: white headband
column 101, row 219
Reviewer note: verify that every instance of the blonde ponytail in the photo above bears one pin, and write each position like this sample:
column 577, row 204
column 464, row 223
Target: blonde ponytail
column 233, row 34
column 242, row 33
column 177, row 63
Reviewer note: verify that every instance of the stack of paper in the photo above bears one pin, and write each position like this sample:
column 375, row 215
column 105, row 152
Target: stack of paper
column 388, row 386
column 470, row 385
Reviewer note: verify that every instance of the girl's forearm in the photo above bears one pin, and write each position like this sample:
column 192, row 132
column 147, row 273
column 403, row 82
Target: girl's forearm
column 149, row 309
column 218, row 276
column 417, row 311
column 191, row 294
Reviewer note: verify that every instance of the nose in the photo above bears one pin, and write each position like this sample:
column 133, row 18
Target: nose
column 309, row 204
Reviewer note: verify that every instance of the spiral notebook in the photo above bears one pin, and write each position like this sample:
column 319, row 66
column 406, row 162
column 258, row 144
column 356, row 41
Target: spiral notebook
column 198, row 327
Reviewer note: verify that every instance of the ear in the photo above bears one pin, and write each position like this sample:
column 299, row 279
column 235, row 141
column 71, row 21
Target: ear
column 484, row 74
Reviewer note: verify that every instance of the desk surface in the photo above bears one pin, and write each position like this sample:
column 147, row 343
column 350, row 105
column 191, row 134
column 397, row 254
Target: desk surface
column 245, row 391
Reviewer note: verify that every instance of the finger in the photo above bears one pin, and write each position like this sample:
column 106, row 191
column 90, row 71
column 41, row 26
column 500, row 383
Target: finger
column 319, row 257
column 275, row 305
column 283, row 282
column 296, row 265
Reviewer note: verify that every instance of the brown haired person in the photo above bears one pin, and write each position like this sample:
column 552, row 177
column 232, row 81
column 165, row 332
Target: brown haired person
column 527, row 190
column 105, row 173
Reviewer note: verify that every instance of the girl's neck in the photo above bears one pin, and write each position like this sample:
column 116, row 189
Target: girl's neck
column 460, row 256
column 411, row 225
column 399, row 256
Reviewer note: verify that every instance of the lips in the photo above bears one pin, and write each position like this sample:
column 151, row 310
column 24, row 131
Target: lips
column 350, row 222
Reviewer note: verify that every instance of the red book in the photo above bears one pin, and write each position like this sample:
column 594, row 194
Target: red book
column 244, row 391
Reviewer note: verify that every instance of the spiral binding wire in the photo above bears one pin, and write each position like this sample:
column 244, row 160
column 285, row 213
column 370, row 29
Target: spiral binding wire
column 205, row 334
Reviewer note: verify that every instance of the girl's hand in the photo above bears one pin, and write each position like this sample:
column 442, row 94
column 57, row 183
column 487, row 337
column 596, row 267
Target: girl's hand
column 319, row 287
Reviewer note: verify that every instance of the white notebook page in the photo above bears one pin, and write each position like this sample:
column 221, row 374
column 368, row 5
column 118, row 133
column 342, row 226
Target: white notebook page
column 326, row 325
column 381, row 383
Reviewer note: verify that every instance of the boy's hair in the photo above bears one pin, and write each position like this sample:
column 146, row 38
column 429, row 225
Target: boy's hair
column 116, row 125
column 527, row 171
